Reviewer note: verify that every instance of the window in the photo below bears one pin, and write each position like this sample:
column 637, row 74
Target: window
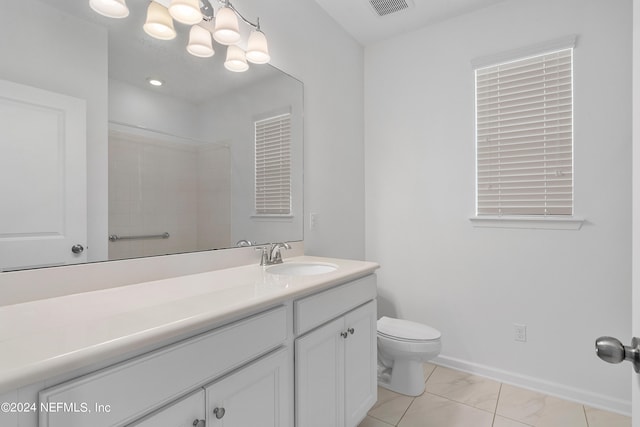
column 524, row 137
column 273, row 166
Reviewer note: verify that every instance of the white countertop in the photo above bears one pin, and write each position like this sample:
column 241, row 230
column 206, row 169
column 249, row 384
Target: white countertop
column 50, row 337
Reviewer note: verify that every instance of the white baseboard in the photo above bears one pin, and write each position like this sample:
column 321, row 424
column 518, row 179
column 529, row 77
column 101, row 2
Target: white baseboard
column 553, row 389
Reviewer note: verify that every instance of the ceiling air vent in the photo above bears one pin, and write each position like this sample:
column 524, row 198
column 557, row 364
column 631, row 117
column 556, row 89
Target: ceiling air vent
column 387, row 7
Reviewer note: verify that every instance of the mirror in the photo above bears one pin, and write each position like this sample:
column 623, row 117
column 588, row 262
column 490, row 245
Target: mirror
column 99, row 165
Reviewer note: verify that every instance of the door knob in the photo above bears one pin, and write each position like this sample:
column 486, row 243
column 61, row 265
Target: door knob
column 77, row 248
column 611, row 350
column 199, row 423
column 219, row 412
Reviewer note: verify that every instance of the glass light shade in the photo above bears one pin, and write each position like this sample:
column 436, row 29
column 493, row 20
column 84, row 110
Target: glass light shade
column 226, row 30
column 200, row 43
column 159, row 23
column 236, row 60
column 110, row 8
column 257, row 50
column 186, row 11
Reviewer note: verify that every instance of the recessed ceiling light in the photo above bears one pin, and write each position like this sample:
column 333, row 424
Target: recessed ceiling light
column 154, row 82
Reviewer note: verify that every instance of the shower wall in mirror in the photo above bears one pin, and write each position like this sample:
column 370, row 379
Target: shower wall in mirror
column 172, row 166
column 166, row 194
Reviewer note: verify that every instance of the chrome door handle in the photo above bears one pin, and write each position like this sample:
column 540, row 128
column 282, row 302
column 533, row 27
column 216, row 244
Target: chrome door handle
column 611, row 350
column 344, row 335
column 351, row 331
column 198, row 423
column 77, row 248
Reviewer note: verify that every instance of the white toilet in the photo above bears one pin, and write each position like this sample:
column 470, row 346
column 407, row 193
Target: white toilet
column 403, row 346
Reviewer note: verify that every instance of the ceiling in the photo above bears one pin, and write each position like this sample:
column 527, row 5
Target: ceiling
column 361, row 20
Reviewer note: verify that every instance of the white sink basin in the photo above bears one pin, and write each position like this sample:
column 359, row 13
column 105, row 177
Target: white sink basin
column 301, row 268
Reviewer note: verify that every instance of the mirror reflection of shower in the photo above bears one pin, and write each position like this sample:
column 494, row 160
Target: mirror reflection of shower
column 167, row 194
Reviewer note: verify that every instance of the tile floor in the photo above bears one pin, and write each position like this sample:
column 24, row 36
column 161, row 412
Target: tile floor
column 457, row 399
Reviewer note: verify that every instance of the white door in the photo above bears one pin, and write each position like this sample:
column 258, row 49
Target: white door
column 43, row 210
column 319, row 376
column 361, row 382
column 635, row 308
column 256, row 395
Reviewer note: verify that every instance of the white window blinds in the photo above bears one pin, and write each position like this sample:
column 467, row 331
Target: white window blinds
column 524, row 117
column 273, row 165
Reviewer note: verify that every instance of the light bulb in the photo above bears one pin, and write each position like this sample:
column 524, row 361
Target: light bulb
column 226, row 29
column 236, row 60
column 110, row 8
column 186, row 11
column 159, row 23
column 257, row 50
column 154, row 82
column 200, row 43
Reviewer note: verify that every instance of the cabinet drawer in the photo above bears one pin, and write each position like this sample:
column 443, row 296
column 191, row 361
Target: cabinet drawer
column 140, row 385
column 319, row 308
column 184, row 413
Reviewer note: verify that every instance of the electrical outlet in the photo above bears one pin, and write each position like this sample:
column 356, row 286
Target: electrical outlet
column 520, row 332
column 313, row 220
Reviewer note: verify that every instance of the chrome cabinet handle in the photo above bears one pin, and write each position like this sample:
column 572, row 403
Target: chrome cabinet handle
column 344, row 335
column 77, row 248
column 611, row 350
column 351, row 331
column 219, row 412
column 199, row 423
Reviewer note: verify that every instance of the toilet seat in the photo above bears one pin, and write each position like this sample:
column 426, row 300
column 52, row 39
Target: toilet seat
column 406, row 330
column 403, row 346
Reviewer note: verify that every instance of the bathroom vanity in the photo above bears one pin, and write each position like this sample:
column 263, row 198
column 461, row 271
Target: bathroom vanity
column 240, row 346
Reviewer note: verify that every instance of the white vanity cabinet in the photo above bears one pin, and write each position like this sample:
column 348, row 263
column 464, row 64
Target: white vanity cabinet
column 336, row 363
column 121, row 394
column 303, row 354
column 257, row 395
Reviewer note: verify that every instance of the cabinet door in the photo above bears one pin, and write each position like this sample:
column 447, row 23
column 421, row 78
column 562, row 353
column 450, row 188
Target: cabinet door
column 361, row 386
column 320, row 377
column 187, row 412
column 256, row 395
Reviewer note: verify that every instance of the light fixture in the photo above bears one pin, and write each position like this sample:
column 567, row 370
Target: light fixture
column 224, row 28
column 186, row 11
column 200, row 44
column 236, row 60
column 110, row 8
column 257, row 49
column 154, row 82
column 159, row 23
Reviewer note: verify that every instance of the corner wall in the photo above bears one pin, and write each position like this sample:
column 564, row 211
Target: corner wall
column 568, row 287
column 306, row 43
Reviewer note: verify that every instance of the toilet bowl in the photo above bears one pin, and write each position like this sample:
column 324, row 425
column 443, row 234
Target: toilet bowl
column 403, row 346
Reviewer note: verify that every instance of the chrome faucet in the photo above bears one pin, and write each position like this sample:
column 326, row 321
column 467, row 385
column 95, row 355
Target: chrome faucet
column 271, row 254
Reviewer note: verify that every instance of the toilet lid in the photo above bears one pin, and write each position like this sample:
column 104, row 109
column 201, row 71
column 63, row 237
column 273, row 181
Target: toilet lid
column 406, row 330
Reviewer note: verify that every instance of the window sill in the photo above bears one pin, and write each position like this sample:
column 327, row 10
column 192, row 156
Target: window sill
column 280, row 218
column 529, row 222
